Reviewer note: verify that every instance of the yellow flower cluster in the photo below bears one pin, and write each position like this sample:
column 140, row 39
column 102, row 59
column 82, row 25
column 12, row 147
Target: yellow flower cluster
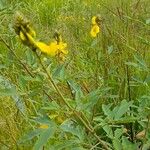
column 95, row 27
column 55, row 48
column 27, row 36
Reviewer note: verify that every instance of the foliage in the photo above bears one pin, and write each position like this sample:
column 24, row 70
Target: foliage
column 97, row 98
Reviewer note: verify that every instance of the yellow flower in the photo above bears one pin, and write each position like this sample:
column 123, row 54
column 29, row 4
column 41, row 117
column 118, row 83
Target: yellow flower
column 53, row 49
column 95, row 26
column 95, row 30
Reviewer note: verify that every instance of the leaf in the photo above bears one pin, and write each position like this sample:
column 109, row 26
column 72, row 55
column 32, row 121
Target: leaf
column 141, row 62
column 68, row 126
column 44, row 120
column 116, row 144
column 44, row 136
column 107, row 129
column 94, row 96
column 29, row 136
column 118, row 133
column 76, row 89
column 122, row 109
column 30, row 57
column 8, row 89
column 127, row 145
column 68, row 145
column 59, row 73
column 94, row 42
column 107, row 111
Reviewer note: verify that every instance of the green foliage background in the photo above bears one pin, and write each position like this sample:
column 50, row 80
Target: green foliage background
column 107, row 79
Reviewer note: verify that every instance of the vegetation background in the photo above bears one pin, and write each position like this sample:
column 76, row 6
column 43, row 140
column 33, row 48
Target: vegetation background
column 105, row 80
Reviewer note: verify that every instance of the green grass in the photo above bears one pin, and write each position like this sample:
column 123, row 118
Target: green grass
column 105, row 80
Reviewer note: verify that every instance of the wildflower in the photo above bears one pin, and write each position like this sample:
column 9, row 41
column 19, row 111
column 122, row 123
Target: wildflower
column 61, row 46
column 56, row 48
column 53, row 49
column 24, row 30
column 95, row 26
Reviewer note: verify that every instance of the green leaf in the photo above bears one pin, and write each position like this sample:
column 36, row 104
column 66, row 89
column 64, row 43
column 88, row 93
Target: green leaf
column 44, row 136
column 107, row 111
column 141, row 62
column 127, row 145
column 44, row 120
column 68, row 126
column 107, row 129
column 59, row 72
column 116, row 144
column 8, row 89
column 94, row 42
column 76, row 90
column 118, row 133
column 94, row 96
column 68, row 145
column 30, row 135
column 119, row 111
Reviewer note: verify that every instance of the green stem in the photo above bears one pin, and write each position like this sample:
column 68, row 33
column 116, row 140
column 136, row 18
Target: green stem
column 86, row 123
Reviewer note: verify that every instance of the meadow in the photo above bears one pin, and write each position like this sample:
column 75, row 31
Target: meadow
column 74, row 75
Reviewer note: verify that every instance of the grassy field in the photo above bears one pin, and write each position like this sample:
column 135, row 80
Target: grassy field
column 94, row 95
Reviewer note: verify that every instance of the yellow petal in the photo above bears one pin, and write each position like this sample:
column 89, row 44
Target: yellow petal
column 94, row 20
column 31, row 40
column 46, row 49
column 62, row 45
column 22, row 36
column 64, row 51
column 31, row 31
column 95, row 30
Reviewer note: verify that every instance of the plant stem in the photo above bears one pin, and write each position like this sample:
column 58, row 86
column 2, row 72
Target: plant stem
column 129, row 97
column 86, row 123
